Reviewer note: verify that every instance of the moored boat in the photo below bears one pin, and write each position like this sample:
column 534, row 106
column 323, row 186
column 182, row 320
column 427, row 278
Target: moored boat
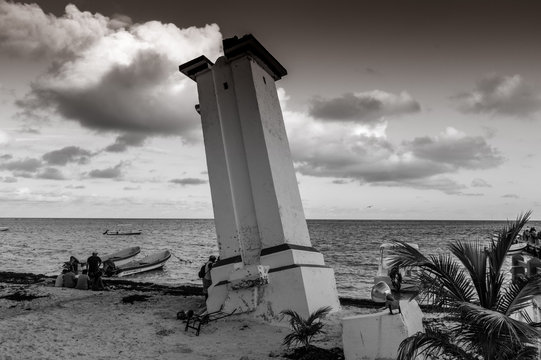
column 121, row 232
column 122, row 256
column 150, row 262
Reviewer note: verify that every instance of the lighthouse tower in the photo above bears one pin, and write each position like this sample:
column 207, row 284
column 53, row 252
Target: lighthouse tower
column 267, row 263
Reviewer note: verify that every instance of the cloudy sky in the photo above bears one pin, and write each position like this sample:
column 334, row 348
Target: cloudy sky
column 394, row 109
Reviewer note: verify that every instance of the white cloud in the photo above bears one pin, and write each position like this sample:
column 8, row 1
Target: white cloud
column 108, row 74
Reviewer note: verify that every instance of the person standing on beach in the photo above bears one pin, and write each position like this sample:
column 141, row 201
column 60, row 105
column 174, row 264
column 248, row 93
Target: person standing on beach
column 207, row 280
column 93, row 263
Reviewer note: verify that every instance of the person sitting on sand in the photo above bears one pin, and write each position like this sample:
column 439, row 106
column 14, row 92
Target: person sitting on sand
column 74, row 264
column 109, row 267
column 69, row 280
column 83, row 281
column 59, row 282
column 93, row 264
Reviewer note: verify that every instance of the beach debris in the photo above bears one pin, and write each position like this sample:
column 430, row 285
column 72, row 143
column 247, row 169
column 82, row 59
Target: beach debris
column 181, row 315
column 22, row 296
column 136, row 297
column 315, row 353
column 165, row 332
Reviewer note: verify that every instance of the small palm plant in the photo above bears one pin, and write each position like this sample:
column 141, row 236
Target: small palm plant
column 471, row 286
column 305, row 329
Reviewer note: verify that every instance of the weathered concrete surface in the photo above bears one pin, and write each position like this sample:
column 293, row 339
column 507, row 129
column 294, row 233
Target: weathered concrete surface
column 377, row 336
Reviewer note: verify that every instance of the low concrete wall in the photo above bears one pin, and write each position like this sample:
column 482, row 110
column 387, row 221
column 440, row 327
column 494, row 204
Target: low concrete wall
column 377, row 336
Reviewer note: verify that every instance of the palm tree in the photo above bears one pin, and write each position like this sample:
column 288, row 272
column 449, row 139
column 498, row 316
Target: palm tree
column 472, row 288
column 305, row 329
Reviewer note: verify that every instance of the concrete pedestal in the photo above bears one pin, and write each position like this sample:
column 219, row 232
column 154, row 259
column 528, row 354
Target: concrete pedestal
column 377, row 336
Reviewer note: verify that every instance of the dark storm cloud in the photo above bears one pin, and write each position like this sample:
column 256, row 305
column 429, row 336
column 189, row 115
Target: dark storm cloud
column 114, row 172
column 66, row 155
column 188, row 181
column 107, row 73
column 367, row 107
column 50, row 174
column 26, row 165
column 463, row 152
column 504, row 95
column 122, row 142
column 127, row 98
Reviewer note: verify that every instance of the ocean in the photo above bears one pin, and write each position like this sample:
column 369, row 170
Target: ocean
column 351, row 247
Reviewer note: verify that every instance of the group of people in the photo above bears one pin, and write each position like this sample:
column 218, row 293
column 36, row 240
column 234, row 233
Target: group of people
column 531, row 236
column 89, row 279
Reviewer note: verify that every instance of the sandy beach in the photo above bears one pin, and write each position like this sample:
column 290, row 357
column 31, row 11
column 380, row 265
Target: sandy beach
column 61, row 323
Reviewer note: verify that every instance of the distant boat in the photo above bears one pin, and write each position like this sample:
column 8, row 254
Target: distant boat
column 2, row 228
column 122, row 232
column 150, row 262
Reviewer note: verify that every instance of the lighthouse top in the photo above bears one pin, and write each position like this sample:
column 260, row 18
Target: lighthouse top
column 233, row 48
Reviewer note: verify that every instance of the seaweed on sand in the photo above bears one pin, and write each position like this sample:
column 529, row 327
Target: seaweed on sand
column 315, row 353
column 136, row 297
column 22, row 296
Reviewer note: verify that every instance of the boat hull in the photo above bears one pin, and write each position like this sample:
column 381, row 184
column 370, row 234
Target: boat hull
column 141, row 269
column 151, row 262
column 123, row 233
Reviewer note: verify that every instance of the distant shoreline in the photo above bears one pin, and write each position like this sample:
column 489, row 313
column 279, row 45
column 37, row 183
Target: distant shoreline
column 212, row 219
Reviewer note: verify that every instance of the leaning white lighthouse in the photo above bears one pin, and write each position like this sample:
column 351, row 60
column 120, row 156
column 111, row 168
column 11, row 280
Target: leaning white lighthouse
column 267, row 263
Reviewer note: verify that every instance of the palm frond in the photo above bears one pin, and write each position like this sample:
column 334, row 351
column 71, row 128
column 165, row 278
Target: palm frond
column 303, row 330
column 519, row 295
column 499, row 328
column 433, row 343
column 404, row 255
column 437, row 271
column 497, row 254
column 473, row 257
column 319, row 314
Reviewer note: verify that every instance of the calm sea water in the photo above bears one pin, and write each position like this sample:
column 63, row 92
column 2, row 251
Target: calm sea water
column 349, row 246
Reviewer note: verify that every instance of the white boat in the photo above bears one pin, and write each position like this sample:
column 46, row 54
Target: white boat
column 122, row 256
column 407, row 283
column 517, row 248
column 150, row 262
column 3, row 228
